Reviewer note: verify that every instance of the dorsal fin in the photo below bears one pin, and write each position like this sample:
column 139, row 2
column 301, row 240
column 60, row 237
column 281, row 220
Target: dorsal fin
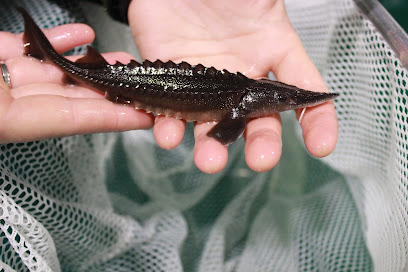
column 92, row 56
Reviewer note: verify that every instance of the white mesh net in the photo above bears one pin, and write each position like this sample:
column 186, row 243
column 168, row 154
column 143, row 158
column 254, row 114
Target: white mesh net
column 117, row 202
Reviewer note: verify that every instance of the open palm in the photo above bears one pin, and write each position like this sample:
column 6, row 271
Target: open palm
column 40, row 105
column 253, row 37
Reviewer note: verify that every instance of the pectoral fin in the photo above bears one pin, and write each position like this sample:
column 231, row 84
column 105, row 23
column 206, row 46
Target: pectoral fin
column 230, row 128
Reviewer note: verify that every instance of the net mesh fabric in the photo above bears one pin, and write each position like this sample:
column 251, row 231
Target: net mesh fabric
column 117, row 202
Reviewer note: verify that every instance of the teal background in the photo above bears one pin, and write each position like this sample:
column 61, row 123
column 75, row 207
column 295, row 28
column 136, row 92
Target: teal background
column 399, row 10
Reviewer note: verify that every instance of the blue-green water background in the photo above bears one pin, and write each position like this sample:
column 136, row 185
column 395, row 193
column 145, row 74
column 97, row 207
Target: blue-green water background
column 399, row 10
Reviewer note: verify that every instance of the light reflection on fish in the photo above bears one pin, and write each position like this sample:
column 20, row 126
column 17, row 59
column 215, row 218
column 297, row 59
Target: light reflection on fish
column 184, row 91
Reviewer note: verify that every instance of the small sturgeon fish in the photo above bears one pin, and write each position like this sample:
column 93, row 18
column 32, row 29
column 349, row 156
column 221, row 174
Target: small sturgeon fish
column 184, row 91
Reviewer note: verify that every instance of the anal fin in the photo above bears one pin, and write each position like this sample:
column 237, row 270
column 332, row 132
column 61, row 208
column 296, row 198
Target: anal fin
column 230, row 128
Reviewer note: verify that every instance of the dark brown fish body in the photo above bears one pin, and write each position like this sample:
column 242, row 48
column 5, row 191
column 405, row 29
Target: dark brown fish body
column 193, row 93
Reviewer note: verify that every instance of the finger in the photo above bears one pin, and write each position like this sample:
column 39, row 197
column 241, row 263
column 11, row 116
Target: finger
column 319, row 123
column 3, row 85
column 44, row 116
column 263, row 138
column 26, row 70
column 62, row 38
column 55, row 89
column 5, row 98
column 320, row 129
column 168, row 131
column 210, row 156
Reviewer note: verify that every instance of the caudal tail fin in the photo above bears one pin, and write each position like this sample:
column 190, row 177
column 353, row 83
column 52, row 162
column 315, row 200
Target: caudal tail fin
column 35, row 42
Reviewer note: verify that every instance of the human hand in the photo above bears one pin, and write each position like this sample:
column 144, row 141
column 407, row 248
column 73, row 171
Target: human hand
column 253, row 37
column 40, row 105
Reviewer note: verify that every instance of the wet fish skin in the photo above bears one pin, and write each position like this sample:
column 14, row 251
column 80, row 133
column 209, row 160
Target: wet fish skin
column 184, row 91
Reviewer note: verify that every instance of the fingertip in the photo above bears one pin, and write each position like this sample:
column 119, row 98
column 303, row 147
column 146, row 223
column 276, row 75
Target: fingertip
column 78, row 30
column 323, row 148
column 128, row 118
column 320, row 130
column 168, row 131
column 321, row 141
column 210, row 156
column 263, row 151
column 65, row 37
column 263, row 143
